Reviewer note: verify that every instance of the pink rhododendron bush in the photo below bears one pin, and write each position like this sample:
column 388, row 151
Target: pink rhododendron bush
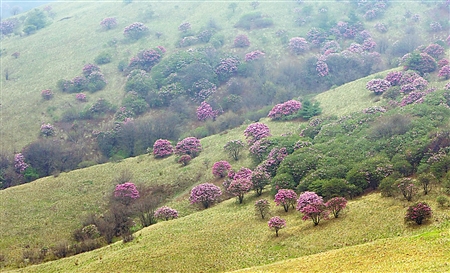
column 284, row 109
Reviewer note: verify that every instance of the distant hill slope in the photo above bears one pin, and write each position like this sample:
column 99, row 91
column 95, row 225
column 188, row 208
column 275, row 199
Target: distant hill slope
column 74, row 37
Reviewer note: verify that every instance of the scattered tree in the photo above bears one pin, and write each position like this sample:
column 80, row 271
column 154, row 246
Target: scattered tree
column 277, row 223
column 418, row 213
column 315, row 211
column 166, row 213
column 407, row 188
column 260, row 179
column 162, row 148
column 262, row 208
column 239, row 187
column 256, row 131
column 126, row 193
column 108, row 23
column 287, row 198
column 241, row 41
column 205, row 194
column 336, row 205
column 220, row 169
column 184, row 160
column 234, row 148
column 189, row 146
column 135, row 31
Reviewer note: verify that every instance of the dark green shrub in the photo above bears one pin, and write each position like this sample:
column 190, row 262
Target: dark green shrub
column 387, row 126
column 388, row 187
column 135, row 103
column 103, row 58
column 140, row 82
column 401, row 165
column 282, row 181
column 36, row 18
column 29, row 29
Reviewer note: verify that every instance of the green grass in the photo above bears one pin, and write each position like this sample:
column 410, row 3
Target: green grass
column 60, row 50
column 422, row 253
column 46, row 211
column 229, row 236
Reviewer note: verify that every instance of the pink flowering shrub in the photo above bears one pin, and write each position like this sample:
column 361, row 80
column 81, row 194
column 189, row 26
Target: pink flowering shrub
column 47, row 94
column 298, row 45
column 444, row 72
column 374, row 109
column 242, row 173
column 226, row 68
column 259, row 149
column 205, row 111
column 80, row 97
column 284, row 109
column 378, row 86
column 184, row 159
column 307, row 198
column 135, row 31
column 287, row 198
column 88, row 69
column 221, row 168
column 241, row 41
column 108, row 23
column 234, row 148
column 47, row 130
column 254, row 55
column 418, row 213
column 315, row 212
column 262, row 207
column 126, row 193
column 19, row 163
column 369, row 44
column 205, row 194
column 412, row 97
column 336, row 205
column 443, row 62
column 162, row 148
column 189, row 146
column 408, row 77
column 239, row 187
column 277, row 223
column 355, row 48
column 256, row 131
column 166, row 213
column 322, row 68
column 434, row 50
column 394, row 77
column 146, row 59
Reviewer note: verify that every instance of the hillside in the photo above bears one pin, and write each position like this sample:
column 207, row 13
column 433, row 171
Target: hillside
column 368, row 146
column 229, row 236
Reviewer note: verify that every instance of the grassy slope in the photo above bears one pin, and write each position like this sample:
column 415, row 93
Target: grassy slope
column 229, row 236
column 45, row 211
column 60, row 50
column 427, row 252
column 251, row 243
